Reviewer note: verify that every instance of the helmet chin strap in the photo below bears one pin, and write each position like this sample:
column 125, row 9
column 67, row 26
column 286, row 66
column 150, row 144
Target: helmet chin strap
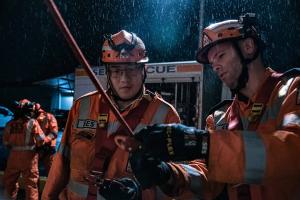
column 244, row 76
column 242, row 81
column 117, row 98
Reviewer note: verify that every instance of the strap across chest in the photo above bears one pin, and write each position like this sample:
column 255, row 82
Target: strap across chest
column 104, row 144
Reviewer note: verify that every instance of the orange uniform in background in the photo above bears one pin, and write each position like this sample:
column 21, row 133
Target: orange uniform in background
column 253, row 157
column 22, row 136
column 73, row 161
column 49, row 126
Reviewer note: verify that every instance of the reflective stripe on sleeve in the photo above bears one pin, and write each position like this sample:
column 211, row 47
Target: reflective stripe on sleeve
column 284, row 88
column 64, row 150
column 40, row 137
column 78, row 188
column 195, row 179
column 28, row 131
column 159, row 117
column 273, row 110
column 255, row 157
column 23, row 148
column 84, row 108
column 291, row 119
column 160, row 114
column 81, row 189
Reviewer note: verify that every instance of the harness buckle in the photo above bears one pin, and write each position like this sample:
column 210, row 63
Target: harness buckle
column 256, row 112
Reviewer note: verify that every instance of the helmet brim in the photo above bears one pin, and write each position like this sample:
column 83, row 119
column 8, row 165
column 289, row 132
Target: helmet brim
column 143, row 60
column 202, row 53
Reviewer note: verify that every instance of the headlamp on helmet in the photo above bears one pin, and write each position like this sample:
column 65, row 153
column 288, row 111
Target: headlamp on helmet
column 123, row 47
column 24, row 108
column 225, row 31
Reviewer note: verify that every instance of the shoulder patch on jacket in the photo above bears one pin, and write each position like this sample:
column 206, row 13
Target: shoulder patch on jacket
column 86, row 123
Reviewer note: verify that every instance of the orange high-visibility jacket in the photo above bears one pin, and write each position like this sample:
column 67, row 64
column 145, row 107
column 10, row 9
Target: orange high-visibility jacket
column 73, row 161
column 49, row 125
column 265, row 159
column 23, row 134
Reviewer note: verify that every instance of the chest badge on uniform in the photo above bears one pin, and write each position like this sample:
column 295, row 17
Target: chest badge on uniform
column 256, row 112
column 102, row 120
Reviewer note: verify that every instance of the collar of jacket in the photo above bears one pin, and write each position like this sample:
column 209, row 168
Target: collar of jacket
column 146, row 94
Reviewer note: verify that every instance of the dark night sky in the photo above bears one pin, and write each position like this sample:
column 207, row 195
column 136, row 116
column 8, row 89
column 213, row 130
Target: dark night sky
column 33, row 49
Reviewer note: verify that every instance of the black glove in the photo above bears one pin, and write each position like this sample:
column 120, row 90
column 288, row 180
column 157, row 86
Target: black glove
column 124, row 188
column 149, row 171
column 174, row 142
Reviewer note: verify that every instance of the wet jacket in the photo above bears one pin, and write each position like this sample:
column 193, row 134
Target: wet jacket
column 49, row 125
column 262, row 163
column 23, row 134
column 76, row 153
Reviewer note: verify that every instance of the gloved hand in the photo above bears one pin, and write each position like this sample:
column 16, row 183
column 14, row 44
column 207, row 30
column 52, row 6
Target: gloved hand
column 149, row 171
column 124, row 188
column 174, row 142
column 47, row 140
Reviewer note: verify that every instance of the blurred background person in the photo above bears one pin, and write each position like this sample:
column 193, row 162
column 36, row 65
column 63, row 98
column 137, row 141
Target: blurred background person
column 48, row 123
column 22, row 135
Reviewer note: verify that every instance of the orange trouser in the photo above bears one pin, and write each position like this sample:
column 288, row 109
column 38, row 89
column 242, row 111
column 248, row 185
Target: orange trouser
column 25, row 163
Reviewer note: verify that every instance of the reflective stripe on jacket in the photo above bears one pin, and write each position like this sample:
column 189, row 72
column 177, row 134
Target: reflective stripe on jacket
column 23, row 135
column 49, row 125
column 76, row 152
column 265, row 158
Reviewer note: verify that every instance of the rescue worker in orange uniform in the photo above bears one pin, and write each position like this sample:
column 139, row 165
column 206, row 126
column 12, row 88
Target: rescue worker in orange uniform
column 22, row 135
column 251, row 146
column 49, row 126
column 87, row 151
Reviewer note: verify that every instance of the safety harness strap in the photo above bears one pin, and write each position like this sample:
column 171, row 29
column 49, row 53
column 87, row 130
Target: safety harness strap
column 258, row 108
column 105, row 146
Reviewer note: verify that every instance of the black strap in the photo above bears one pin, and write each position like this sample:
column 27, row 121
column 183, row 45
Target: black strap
column 262, row 99
column 105, row 146
column 226, row 102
